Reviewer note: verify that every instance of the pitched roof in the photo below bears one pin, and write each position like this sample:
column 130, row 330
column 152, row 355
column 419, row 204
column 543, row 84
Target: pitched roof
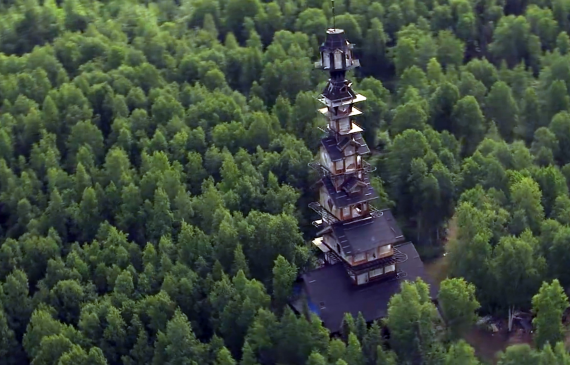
column 342, row 199
column 338, row 90
column 335, row 39
column 334, row 148
column 365, row 234
column 352, row 183
column 331, row 293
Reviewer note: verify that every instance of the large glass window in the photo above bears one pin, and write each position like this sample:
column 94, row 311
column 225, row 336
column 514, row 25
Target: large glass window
column 337, row 60
column 350, row 165
column 327, row 60
column 377, row 272
column 359, row 257
column 338, row 165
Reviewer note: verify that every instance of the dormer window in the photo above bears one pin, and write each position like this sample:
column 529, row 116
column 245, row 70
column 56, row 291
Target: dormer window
column 385, row 249
column 358, row 208
column 344, row 125
column 343, row 109
column 350, row 165
column 339, row 166
column 326, row 61
column 338, row 59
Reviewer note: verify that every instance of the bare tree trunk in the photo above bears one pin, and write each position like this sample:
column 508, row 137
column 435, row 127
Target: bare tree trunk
column 510, row 319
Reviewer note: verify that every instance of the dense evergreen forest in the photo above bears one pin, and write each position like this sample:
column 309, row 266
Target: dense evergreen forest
column 154, row 180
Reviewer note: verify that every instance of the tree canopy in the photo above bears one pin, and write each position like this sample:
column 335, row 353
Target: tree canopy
column 154, row 180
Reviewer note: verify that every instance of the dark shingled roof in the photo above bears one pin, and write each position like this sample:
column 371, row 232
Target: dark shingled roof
column 351, row 184
column 335, row 39
column 338, row 90
column 342, row 199
column 331, row 293
column 335, row 152
column 365, row 234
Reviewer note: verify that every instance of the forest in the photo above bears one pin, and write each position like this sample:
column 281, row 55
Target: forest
column 154, row 176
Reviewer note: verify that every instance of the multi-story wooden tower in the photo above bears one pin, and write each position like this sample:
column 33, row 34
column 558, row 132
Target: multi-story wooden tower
column 365, row 253
column 351, row 229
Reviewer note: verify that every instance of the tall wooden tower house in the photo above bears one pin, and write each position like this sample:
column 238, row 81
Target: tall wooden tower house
column 351, row 229
column 365, row 252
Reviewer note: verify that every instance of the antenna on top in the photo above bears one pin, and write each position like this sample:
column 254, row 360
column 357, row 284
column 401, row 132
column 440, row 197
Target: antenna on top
column 334, row 23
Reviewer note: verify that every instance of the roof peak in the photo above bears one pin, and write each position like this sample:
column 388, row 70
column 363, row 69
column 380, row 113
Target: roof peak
column 335, row 31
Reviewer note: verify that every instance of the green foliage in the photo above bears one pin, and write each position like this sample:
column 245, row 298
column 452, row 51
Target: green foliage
column 284, row 275
column 548, row 305
column 461, row 353
column 412, row 319
column 154, row 180
column 458, row 304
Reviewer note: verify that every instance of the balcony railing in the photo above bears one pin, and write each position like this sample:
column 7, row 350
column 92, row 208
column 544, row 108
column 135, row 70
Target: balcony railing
column 375, row 212
column 400, row 256
column 333, row 258
column 315, row 165
column 323, row 171
column 327, row 216
column 368, row 167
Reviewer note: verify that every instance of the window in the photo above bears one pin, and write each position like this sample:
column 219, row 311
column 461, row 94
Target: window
column 362, row 278
column 359, row 257
column 390, row 268
column 338, row 165
column 346, row 212
column 358, row 208
column 337, row 60
column 385, row 249
column 344, row 125
column 350, row 165
column 377, row 272
column 327, row 60
column 371, row 256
